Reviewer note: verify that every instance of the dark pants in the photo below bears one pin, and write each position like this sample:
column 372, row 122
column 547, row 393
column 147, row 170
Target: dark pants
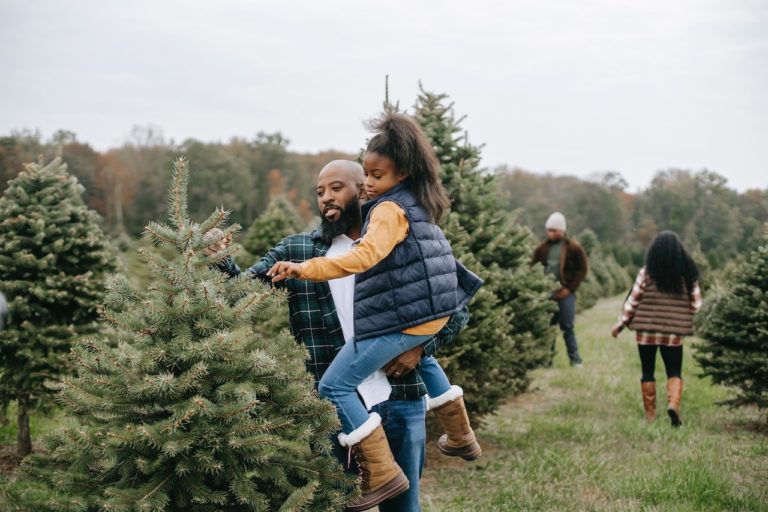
column 672, row 357
column 564, row 318
column 403, row 422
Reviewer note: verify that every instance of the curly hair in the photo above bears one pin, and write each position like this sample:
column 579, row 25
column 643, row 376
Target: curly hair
column 399, row 138
column 669, row 265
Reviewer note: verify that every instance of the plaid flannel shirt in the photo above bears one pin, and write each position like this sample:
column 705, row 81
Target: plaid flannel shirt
column 313, row 317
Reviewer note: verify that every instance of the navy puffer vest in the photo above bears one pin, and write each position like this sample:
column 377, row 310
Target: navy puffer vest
column 417, row 282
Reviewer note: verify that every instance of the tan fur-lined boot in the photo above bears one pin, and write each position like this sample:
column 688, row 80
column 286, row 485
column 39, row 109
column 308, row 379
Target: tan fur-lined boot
column 674, row 395
column 380, row 476
column 649, row 399
column 459, row 438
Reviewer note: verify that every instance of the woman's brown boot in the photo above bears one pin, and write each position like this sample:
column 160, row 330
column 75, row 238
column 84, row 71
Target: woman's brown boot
column 459, row 438
column 380, row 476
column 674, row 394
column 649, row 399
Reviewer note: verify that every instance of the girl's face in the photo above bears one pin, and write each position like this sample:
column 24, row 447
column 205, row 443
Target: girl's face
column 380, row 174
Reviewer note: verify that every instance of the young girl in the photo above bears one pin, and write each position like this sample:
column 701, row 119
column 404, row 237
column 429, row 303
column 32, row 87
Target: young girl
column 660, row 310
column 406, row 287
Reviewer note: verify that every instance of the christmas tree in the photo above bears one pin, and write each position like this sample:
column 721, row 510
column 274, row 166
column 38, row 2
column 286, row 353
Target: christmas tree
column 54, row 258
column 279, row 220
column 734, row 325
column 191, row 411
column 509, row 331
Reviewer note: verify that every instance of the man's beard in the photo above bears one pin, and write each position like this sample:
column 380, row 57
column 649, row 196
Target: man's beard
column 349, row 217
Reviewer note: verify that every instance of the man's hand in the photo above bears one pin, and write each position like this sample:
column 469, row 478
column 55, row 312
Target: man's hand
column 405, row 362
column 220, row 246
column 617, row 329
column 561, row 294
column 283, row 270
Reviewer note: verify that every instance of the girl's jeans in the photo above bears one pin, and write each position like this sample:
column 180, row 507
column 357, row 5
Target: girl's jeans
column 355, row 361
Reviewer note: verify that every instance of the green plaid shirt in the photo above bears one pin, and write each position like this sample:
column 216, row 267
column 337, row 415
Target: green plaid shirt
column 314, row 321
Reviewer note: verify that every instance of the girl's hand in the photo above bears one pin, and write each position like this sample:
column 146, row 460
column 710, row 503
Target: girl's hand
column 617, row 329
column 283, row 270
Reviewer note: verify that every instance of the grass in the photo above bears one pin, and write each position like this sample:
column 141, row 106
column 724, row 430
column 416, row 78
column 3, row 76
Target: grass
column 579, row 441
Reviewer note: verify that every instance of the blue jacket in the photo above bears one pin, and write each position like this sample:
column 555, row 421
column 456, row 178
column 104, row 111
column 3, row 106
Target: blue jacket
column 417, row 282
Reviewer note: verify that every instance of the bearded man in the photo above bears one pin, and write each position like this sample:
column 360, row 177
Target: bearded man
column 321, row 317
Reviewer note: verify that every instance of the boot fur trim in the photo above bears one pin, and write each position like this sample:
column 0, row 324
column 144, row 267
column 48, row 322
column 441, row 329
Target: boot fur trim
column 449, row 396
column 361, row 432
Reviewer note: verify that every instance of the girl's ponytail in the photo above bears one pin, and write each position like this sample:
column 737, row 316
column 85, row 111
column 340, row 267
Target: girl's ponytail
column 399, row 138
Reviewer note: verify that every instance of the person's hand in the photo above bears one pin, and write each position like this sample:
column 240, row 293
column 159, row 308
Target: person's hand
column 217, row 247
column 283, row 270
column 405, row 362
column 617, row 329
column 561, row 294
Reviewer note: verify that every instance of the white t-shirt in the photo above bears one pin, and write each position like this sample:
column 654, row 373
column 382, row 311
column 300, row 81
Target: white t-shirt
column 375, row 388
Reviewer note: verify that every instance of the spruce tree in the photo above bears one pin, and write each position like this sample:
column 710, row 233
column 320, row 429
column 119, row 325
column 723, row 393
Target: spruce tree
column 54, row 258
column 278, row 220
column 509, row 330
column 734, row 325
column 191, row 410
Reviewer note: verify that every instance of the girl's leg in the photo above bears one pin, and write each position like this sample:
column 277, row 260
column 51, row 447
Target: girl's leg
column 673, row 360
column 433, row 376
column 355, row 362
column 647, row 362
column 447, row 402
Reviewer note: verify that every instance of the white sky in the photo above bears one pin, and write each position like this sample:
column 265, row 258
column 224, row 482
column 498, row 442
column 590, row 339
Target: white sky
column 562, row 86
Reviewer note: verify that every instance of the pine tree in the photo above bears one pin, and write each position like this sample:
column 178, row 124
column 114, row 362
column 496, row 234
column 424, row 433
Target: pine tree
column 734, row 325
column 279, row 220
column 509, row 331
column 53, row 261
column 191, row 410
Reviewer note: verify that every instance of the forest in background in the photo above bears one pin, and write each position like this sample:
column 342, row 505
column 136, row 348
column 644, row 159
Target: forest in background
column 126, row 185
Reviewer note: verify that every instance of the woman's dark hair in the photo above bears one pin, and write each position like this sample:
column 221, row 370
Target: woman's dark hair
column 399, row 138
column 669, row 265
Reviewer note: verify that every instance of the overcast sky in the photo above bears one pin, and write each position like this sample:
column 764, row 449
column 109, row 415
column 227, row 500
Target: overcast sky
column 563, row 86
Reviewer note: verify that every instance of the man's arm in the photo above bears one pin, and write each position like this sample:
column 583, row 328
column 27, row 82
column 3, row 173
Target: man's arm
column 280, row 252
column 447, row 334
column 582, row 267
column 407, row 361
column 259, row 269
column 537, row 256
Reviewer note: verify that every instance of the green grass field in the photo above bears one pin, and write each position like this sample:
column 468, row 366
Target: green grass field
column 578, row 441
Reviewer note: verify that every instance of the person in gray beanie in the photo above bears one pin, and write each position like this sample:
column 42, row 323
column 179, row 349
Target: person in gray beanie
column 565, row 259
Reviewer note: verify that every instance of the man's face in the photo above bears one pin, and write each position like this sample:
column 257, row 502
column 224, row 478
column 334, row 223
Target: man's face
column 335, row 191
column 338, row 198
column 555, row 235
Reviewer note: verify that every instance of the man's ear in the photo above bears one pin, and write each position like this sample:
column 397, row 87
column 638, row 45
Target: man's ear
column 362, row 194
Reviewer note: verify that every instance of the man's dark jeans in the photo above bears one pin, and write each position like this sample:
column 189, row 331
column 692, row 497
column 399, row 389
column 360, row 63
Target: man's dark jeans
column 404, row 424
column 564, row 318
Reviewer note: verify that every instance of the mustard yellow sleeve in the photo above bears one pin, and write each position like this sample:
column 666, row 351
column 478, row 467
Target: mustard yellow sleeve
column 387, row 228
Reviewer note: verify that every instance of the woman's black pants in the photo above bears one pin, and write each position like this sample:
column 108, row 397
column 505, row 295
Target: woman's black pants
column 672, row 357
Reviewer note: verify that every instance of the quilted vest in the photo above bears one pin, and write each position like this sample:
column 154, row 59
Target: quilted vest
column 417, row 282
column 663, row 312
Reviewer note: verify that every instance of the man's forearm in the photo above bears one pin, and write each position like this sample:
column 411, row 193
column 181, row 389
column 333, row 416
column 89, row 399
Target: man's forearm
column 447, row 334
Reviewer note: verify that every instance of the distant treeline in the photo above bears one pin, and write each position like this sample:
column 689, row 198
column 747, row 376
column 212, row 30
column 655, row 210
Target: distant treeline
column 716, row 222
column 126, row 185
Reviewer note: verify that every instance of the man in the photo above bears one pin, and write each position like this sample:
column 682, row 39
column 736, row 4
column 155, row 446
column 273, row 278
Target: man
column 566, row 260
column 321, row 317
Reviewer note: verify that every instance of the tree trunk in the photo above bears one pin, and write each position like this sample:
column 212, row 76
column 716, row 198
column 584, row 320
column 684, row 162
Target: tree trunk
column 23, row 436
